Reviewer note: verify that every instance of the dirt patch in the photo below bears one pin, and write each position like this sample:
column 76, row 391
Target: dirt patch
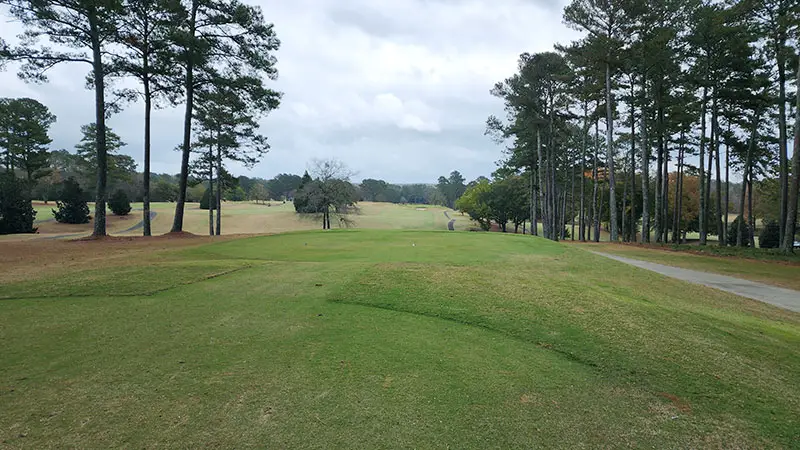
column 682, row 405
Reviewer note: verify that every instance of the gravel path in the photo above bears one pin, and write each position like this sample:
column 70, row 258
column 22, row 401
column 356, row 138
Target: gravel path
column 784, row 298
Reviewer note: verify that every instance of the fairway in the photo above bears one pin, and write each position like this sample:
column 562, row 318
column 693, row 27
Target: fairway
column 387, row 339
column 250, row 218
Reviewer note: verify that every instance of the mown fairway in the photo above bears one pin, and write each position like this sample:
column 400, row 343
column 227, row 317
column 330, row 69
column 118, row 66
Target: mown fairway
column 249, row 218
column 375, row 339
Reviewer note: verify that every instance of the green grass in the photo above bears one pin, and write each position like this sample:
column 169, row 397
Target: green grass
column 44, row 212
column 359, row 339
column 759, row 265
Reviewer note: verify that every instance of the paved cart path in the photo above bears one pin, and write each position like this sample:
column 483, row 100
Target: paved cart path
column 781, row 297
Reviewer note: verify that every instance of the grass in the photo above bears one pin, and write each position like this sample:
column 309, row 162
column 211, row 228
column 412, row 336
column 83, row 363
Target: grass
column 382, row 338
column 250, row 218
column 751, row 264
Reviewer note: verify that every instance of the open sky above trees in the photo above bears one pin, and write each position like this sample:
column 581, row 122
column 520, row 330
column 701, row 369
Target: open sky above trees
column 403, row 98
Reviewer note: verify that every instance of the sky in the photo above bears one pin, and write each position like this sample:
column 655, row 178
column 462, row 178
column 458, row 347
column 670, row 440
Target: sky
column 396, row 89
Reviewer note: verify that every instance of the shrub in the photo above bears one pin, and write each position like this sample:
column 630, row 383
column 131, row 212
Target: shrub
column 72, row 207
column 119, row 204
column 733, row 229
column 770, row 235
column 209, row 200
column 16, row 212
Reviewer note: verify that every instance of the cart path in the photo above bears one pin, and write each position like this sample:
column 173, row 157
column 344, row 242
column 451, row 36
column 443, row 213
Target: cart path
column 138, row 226
column 781, row 297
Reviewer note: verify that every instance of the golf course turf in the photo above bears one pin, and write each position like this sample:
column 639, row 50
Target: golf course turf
column 387, row 339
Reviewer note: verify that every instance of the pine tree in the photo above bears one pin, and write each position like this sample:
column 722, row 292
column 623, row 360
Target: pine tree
column 16, row 212
column 71, row 207
column 119, row 203
column 87, row 26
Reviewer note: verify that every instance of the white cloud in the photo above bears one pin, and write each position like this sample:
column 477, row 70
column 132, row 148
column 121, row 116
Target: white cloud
column 398, row 89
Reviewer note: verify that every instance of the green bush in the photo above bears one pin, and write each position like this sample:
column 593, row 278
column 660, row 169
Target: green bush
column 209, row 200
column 770, row 235
column 119, row 204
column 733, row 229
column 16, row 212
column 72, row 207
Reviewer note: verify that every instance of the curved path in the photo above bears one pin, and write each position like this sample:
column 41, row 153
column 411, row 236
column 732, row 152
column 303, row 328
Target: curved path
column 783, row 298
column 450, row 225
column 138, row 226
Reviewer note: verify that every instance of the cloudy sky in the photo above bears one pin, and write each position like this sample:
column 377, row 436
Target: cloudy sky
column 397, row 89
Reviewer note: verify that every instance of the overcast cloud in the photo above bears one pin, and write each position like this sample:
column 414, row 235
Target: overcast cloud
column 398, row 90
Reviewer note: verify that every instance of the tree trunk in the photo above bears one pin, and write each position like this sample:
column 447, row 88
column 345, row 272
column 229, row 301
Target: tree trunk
column 582, row 218
column 210, row 188
column 177, row 223
column 542, row 180
column 645, row 170
column 632, row 231
column 747, row 171
column 791, row 213
column 148, row 106
column 599, row 213
column 676, row 213
column 659, row 208
column 146, row 226
column 219, row 190
column 100, row 135
column 533, row 202
column 612, row 198
column 703, row 218
column 555, row 226
column 535, row 207
column 562, row 220
column 624, row 204
column 782, row 147
column 572, row 199
column 595, row 217
column 750, row 217
column 718, row 182
column 727, row 187
column 665, row 192
column 709, row 172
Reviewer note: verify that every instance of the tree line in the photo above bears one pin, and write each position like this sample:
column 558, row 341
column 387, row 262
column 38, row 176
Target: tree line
column 213, row 56
column 656, row 97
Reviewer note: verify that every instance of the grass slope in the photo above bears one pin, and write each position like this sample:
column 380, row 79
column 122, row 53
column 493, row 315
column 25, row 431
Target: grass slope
column 375, row 339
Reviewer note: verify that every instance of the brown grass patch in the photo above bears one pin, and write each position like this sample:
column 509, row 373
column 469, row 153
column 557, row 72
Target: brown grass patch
column 682, row 405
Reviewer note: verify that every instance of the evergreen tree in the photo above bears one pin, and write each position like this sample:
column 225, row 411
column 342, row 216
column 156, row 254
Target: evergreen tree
column 16, row 212
column 87, row 26
column 71, row 207
column 301, row 202
column 119, row 203
column 24, row 139
column 224, row 44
